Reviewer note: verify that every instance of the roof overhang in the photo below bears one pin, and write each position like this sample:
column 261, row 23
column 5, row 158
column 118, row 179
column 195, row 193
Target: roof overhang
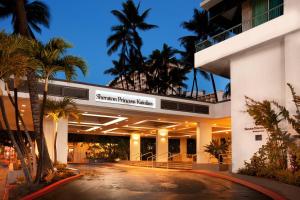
column 207, row 4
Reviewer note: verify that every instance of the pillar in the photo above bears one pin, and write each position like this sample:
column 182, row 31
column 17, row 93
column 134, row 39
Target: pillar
column 183, row 148
column 49, row 127
column 203, row 137
column 62, row 138
column 162, row 145
column 62, row 141
column 135, row 147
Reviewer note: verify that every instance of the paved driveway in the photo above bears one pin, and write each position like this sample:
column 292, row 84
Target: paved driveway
column 116, row 182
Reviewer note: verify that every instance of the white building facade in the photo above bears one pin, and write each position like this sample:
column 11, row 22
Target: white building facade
column 260, row 56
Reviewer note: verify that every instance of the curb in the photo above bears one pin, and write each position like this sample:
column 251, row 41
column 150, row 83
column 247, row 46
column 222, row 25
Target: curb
column 248, row 184
column 50, row 188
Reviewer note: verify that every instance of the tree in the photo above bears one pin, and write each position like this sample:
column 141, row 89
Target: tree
column 202, row 29
column 60, row 109
column 227, row 92
column 216, row 149
column 164, row 71
column 26, row 17
column 52, row 59
column 126, row 35
column 13, row 62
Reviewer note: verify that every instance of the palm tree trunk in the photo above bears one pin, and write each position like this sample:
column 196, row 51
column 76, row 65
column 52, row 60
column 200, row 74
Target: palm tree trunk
column 196, row 85
column 33, row 159
column 19, row 137
column 55, row 141
column 44, row 163
column 12, row 137
column 21, row 18
column 214, row 87
column 22, row 28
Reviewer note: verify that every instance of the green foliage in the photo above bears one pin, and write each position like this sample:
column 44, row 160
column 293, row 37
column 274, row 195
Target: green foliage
column 108, row 150
column 216, row 149
column 281, row 147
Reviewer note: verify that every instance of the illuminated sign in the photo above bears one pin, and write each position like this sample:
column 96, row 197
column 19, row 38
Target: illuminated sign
column 125, row 99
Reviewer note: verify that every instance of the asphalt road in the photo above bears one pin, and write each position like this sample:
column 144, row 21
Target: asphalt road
column 106, row 183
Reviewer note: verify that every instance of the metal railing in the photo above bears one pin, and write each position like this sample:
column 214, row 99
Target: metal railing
column 242, row 27
column 145, row 154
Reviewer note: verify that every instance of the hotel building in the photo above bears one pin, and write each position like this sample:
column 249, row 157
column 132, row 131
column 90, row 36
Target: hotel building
column 259, row 52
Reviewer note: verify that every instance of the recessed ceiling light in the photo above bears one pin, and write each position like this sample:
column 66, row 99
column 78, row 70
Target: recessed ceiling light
column 23, row 105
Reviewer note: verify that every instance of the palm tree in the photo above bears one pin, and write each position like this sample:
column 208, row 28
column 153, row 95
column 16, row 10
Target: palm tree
column 28, row 16
column 117, row 71
column 201, row 28
column 163, row 67
column 58, row 110
column 13, row 61
column 52, row 59
column 126, row 36
column 227, row 92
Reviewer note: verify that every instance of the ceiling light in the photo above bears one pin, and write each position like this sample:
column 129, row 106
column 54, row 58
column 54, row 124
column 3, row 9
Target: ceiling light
column 23, row 105
column 92, row 129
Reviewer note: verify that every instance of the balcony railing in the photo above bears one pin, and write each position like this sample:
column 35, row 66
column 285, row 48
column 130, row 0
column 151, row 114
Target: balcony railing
column 242, row 27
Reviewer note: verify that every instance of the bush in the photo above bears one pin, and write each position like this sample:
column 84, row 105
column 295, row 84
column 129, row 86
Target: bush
column 288, row 177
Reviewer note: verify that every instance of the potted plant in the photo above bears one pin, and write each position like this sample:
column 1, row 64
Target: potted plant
column 218, row 150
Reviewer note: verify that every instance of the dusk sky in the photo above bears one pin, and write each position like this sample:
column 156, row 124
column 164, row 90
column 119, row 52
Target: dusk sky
column 86, row 25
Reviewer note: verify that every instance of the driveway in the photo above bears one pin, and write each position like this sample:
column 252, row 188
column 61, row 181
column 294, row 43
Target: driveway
column 117, row 182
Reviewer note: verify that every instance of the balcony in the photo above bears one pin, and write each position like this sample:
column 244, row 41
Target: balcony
column 242, row 27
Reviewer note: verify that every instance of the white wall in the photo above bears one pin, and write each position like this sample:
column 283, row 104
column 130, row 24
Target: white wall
column 203, row 137
column 258, row 74
column 135, row 147
column 62, row 141
column 162, row 145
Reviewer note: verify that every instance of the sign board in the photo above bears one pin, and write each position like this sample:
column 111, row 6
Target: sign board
column 125, row 99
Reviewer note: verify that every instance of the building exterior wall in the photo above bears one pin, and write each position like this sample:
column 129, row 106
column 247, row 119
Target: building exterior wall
column 258, row 74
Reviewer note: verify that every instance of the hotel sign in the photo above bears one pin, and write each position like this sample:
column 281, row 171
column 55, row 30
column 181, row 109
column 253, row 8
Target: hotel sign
column 125, row 99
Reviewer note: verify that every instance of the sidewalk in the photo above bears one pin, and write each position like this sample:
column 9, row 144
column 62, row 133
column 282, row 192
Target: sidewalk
column 3, row 174
column 289, row 191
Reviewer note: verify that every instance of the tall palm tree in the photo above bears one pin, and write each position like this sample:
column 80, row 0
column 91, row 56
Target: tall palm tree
column 163, row 69
column 14, row 62
column 28, row 16
column 57, row 110
column 201, row 28
column 118, row 72
column 227, row 92
column 126, row 34
column 51, row 60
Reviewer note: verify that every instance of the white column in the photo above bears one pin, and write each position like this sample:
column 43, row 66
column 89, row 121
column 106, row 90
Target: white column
column 162, row 145
column 203, row 137
column 183, row 148
column 135, row 147
column 62, row 141
column 49, row 127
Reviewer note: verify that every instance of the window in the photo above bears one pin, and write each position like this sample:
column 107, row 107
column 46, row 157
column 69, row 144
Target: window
column 265, row 10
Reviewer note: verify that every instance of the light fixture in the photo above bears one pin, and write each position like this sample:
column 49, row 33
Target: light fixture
column 92, row 129
column 116, row 119
column 23, row 105
column 135, row 137
column 163, row 132
column 222, row 131
column 163, row 139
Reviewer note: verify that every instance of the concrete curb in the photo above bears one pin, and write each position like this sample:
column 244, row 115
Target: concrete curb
column 51, row 187
column 248, row 184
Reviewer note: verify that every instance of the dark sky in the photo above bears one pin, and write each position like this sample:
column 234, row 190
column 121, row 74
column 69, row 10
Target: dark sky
column 86, row 24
